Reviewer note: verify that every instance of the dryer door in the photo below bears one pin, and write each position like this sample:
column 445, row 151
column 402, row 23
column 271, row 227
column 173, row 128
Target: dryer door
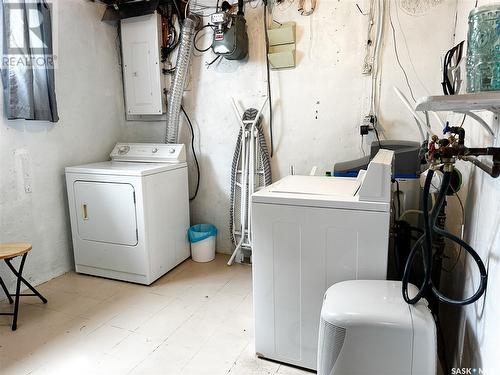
column 106, row 212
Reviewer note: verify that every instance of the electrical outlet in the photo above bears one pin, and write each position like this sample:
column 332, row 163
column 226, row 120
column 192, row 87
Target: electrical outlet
column 368, row 124
column 369, row 120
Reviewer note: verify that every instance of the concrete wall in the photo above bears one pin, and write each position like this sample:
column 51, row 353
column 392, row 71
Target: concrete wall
column 319, row 105
column 88, row 86
column 476, row 341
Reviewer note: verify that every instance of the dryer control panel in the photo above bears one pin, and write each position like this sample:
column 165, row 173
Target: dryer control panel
column 149, row 153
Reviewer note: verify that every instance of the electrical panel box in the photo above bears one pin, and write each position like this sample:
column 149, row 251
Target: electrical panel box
column 142, row 76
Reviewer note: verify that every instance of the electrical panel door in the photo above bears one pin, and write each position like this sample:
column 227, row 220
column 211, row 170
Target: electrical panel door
column 141, row 40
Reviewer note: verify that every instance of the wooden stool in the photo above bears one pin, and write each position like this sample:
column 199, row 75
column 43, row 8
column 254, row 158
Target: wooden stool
column 7, row 253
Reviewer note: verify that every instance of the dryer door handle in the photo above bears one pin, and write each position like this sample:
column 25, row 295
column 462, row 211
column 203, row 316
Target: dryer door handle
column 85, row 212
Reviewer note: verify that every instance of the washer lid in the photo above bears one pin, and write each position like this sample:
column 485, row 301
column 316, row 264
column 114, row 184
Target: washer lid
column 315, row 185
column 124, row 168
column 317, row 191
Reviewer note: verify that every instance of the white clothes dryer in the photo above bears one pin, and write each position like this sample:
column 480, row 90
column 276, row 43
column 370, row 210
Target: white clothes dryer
column 130, row 216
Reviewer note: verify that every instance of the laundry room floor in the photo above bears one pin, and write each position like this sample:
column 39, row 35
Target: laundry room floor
column 197, row 319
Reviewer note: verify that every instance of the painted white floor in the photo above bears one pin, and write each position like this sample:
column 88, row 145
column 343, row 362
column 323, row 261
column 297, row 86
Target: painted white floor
column 195, row 320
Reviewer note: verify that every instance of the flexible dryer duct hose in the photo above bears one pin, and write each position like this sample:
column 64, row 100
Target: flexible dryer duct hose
column 179, row 81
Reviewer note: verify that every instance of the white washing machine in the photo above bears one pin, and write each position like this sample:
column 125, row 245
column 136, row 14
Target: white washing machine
column 130, row 215
column 308, row 234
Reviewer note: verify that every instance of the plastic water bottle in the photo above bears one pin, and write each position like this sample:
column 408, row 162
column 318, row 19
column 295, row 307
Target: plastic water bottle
column 483, row 49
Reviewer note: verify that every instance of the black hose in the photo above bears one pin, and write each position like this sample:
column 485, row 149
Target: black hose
column 482, row 271
column 427, row 288
column 409, row 262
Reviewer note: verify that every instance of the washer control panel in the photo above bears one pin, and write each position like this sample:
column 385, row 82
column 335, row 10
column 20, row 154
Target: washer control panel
column 149, row 153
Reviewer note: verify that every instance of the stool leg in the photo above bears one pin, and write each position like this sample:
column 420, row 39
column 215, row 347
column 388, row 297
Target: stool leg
column 20, row 276
column 18, row 290
column 2, row 284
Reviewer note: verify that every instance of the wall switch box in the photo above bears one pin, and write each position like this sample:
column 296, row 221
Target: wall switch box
column 23, row 170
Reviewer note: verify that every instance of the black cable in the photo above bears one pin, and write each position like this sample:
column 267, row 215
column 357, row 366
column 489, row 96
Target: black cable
column 194, row 155
column 463, row 120
column 374, row 123
column 415, row 229
column 240, row 8
column 378, row 137
column 394, row 219
column 269, row 93
column 175, row 38
column 177, row 10
column 196, row 38
column 397, row 57
column 169, row 71
column 430, row 220
column 173, row 43
column 209, row 64
column 449, row 85
column 398, row 192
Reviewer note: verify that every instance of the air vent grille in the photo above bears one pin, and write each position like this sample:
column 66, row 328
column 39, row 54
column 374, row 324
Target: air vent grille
column 331, row 340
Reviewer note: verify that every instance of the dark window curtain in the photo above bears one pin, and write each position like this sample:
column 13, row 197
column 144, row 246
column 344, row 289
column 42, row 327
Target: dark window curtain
column 27, row 68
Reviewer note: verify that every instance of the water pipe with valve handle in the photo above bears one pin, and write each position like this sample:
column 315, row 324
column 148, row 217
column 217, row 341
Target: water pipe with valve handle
column 442, row 154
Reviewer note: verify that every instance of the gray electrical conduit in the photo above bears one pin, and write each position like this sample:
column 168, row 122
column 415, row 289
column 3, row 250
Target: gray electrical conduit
column 179, row 81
